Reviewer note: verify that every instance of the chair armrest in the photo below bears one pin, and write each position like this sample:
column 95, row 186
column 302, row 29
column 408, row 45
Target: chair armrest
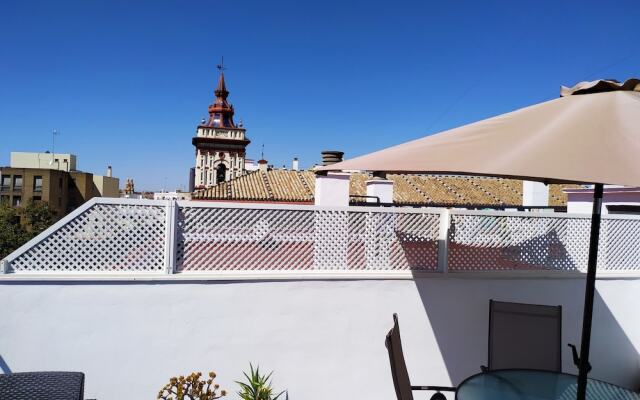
column 576, row 358
column 436, row 388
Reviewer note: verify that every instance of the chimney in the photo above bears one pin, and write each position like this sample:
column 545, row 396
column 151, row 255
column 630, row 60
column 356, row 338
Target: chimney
column 535, row 194
column 294, row 164
column 331, row 157
column 332, row 189
column 262, row 165
column 109, row 171
column 381, row 188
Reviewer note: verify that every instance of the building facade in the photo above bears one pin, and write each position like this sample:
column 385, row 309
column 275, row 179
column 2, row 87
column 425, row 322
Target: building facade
column 220, row 143
column 32, row 177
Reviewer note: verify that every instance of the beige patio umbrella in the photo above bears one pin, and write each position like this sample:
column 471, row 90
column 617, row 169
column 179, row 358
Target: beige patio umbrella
column 591, row 134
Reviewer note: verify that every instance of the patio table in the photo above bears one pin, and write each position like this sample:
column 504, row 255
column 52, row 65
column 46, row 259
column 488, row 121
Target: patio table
column 526, row 384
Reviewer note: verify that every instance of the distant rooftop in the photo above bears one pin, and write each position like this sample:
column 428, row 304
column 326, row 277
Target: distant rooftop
column 46, row 160
column 290, row 186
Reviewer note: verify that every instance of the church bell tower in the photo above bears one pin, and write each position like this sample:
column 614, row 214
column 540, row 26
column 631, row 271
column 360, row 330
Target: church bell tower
column 220, row 143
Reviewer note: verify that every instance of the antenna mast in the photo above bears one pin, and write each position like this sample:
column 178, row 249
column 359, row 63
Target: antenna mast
column 54, row 133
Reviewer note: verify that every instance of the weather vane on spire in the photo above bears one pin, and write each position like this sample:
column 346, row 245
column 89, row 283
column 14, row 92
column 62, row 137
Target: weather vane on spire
column 220, row 66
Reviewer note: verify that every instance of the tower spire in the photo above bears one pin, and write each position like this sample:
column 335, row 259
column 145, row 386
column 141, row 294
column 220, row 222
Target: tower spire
column 221, row 112
column 221, row 89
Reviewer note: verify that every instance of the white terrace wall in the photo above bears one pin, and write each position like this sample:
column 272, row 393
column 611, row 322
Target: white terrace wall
column 324, row 339
column 134, row 292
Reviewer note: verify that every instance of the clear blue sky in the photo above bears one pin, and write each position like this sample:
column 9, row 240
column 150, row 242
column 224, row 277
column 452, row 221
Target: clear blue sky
column 126, row 82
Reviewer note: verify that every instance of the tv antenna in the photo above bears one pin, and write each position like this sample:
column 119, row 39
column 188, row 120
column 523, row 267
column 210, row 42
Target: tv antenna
column 54, row 133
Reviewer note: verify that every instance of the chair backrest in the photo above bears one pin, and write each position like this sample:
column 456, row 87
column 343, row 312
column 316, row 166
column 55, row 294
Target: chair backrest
column 399, row 372
column 42, row 386
column 524, row 336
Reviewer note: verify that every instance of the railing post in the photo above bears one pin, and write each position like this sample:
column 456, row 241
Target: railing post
column 443, row 240
column 171, row 233
column 4, row 266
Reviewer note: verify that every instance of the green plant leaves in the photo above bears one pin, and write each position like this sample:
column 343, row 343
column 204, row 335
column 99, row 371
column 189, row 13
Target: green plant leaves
column 257, row 386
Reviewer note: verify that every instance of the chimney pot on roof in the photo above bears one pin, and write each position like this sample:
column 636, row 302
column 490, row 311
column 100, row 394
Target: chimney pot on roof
column 331, row 157
column 109, row 171
column 262, row 165
column 294, row 165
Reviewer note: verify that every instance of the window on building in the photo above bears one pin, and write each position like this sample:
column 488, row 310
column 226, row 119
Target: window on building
column 36, row 198
column 17, row 200
column 60, row 182
column 5, row 182
column 221, row 173
column 4, row 200
column 37, row 183
column 17, row 182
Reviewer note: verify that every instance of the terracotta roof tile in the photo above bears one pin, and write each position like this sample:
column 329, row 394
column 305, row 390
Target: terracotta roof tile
column 298, row 186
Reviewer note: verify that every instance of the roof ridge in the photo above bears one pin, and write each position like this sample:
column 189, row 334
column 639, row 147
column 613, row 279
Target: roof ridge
column 504, row 184
column 416, row 188
column 265, row 179
column 450, row 188
column 229, row 184
column 304, row 184
column 484, row 190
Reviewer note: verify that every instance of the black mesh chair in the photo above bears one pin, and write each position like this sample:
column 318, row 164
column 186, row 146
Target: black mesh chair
column 524, row 336
column 42, row 386
column 401, row 382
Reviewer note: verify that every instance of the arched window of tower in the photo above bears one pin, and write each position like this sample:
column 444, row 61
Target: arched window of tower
column 221, row 173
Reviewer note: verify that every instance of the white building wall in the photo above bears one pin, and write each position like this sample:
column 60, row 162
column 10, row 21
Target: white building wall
column 535, row 194
column 580, row 201
column 380, row 188
column 324, row 339
column 58, row 161
column 332, row 190
column 172, row 196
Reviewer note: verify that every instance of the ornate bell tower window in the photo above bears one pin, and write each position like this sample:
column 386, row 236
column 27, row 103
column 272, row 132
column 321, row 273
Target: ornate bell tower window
column 221, row 173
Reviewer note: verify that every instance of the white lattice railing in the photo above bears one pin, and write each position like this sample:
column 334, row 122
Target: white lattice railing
column 146, row 236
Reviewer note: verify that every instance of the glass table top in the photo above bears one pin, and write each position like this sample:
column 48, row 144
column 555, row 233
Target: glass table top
column 517, row 384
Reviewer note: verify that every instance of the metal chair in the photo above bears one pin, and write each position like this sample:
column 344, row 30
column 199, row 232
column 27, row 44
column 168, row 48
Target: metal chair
column 42, row 386
column 524, row 336
column 401, row 382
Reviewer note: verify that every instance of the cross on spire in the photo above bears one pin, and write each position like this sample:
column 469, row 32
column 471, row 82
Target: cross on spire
column 220, row 66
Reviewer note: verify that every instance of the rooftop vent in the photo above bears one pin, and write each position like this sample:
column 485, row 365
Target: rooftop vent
column 331, row 157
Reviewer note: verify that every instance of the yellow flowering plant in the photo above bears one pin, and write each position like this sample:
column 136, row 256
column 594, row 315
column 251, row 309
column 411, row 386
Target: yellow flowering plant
column 192, row 387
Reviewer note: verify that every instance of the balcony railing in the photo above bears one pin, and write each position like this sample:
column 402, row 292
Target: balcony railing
column 154, row 236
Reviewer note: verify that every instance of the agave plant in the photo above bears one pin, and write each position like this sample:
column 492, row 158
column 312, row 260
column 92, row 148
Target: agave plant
column 257, row 386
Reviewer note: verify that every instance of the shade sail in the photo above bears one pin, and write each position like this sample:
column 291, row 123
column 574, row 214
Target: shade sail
column 584, row 137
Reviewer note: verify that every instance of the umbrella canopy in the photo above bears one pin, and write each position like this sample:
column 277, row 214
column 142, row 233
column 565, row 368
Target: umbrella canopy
column 589, row 135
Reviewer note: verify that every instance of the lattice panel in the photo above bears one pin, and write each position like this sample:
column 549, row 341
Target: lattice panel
column 106, row 237
column 487, row 242
column 622, row 239
column 280, row 239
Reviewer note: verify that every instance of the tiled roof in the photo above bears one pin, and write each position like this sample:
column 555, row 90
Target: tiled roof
column 280, row 185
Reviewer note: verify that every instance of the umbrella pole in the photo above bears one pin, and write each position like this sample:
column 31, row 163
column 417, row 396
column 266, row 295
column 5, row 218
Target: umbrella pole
column 589, row 291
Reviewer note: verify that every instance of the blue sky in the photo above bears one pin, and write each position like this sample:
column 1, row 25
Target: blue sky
column 126, row 82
